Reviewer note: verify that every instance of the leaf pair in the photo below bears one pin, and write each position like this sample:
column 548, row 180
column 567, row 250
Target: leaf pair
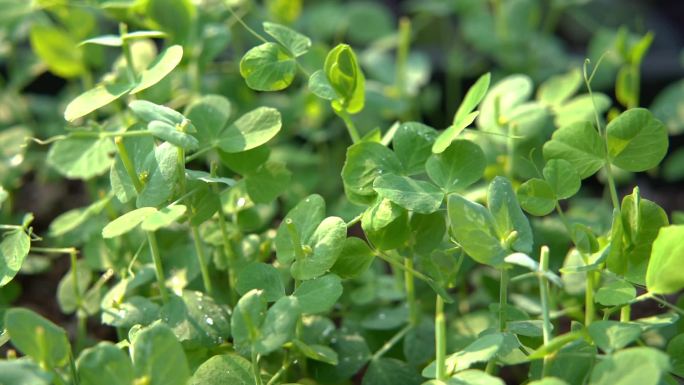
column 273, row 66
column 484, row 233
column 636, row 141
column 106, row 93
column 539, row 196
column 308, row 240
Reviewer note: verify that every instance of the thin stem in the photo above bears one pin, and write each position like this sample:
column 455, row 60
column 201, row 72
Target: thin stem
column 625, row 313
column 128, row 164
column 201, row 259
column 503, row 298
column 248, row 28
column 589, row 299
column 255, row 367
column 391, row 342
column 440, row 339
column 159, row 270
column 128, row 55
column 668, row 305
column 51, row 250
column 279, row 373
column 230, row 256
column 544, row 298
column 402, row 55
column 409, row 283
column 351, row 128
column 393, row 262
column 611, row 185
column 198, row 153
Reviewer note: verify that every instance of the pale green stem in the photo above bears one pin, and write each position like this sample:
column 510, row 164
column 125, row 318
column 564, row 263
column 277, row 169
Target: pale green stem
column 440, row 339
column 409, row 283
column 128, row 55
column 256, row 368
column 159, row 270
column 402, row 55
column 544, row 298
column 391, row 342
column 128, row 164
column 351, row 128
column 202, row 260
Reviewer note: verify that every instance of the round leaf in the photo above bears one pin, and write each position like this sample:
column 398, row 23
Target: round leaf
column 104, row 363
column 326, row 244
column 14, row 248
column 537, row 197
column 222, row 369
column 127, row 222
column 267, row 67
column 159, row 356
column 457, row 167
column 319, row 295
column 263, row 277
column 251, row 130
column 579, row 144
column 636, row 140
column 562, row 178
column 664, row 274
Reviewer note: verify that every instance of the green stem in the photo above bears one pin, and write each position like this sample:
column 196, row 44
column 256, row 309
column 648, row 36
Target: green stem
column 202, row 260
column 255, row 367
column 351, row 128
column 409, row 283
column 611, row 184
column 391, row 342
column 589, row 299
column 440, row 339
column 50, row 250
column 159, row 270
column 544, row 298
column 128, row 55
column 625, row 313
column 128, row 164
column 402, row 55
column 400, row 266
column 230, row 256
column 503, row 298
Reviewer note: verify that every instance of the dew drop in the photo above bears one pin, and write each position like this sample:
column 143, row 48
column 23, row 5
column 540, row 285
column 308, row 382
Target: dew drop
column 209, row 321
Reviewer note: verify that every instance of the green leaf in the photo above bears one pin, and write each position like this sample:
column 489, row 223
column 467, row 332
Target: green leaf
column 95, row 98
column 473, row 228
column 296, row 43
column 411, row 143
column 390, row 371
column 222, row 369
column 615, row 293
column 169, row 133
column 668, row 107
column 305, row 216
column 549, row 381
column 366, row 161
column 508, row 216
column 161, row 172
column 267, row 182
column 158, row 356
column 557, row 89
column 457, row 167
column 67, row 297
column 380, row 214
column 127, row 222
column 138, row 149
column 664, row 274
column 81, row 158
column 421, row 197
column 104, row 363
column 579, row 144
column 105, row 40
column 581, row 109
column 251, row 130
column 209, row 114
column 474, row 377
column 58, row 49
column 317, row 352
column 160, row 67
column 613, row 335
column 675, row 349
column 636, row 140
column 354, row 259
column 135, row 310
column 319, row 295
column 562, row 178
column 263, row 277
column 346, row 78
column 196, row 320
column 320, row 86
column 175, row 17
column 507, row 94
column 633, row 237
column 537, row 197
column 14, row 248
column 147, row 112
column 37, row 337
column 268, row 67
column 394, row 235
column 279, row 325
column 472, row 98
column 23, row 371
column 326, row 244
column 451, row 133
column 163, row 218
column 480, row 350
column 635, row 366
column 246, row 161
column 247, row 317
